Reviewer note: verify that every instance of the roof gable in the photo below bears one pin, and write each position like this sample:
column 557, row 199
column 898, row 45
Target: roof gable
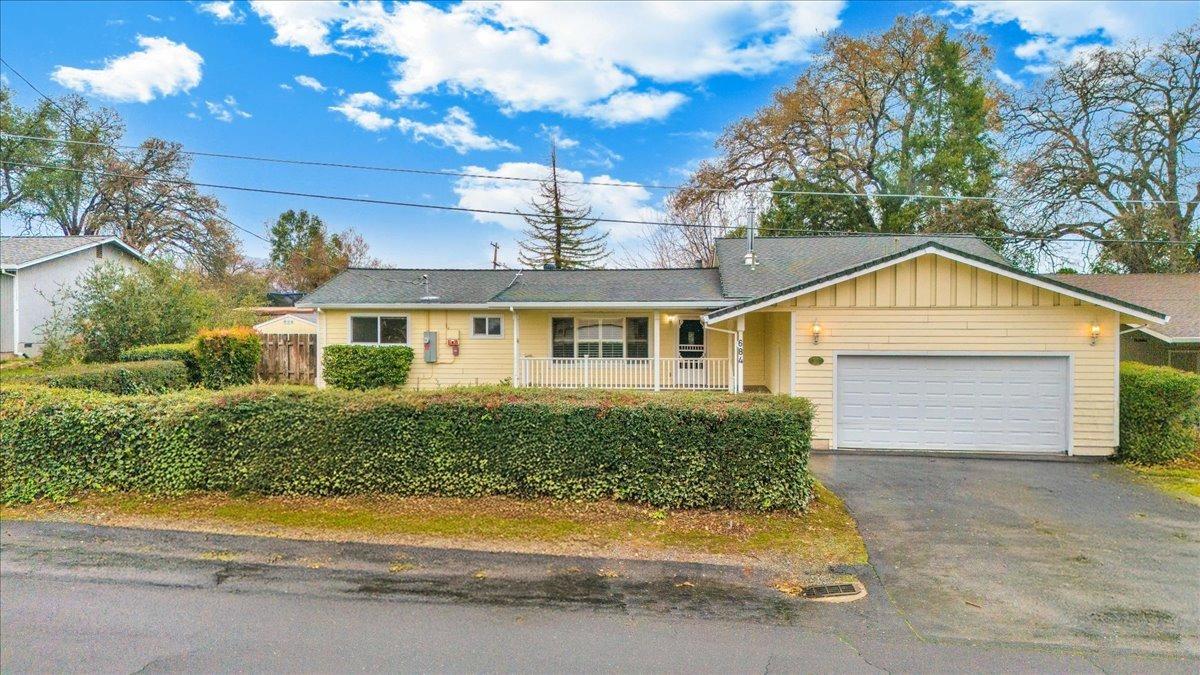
column 19, row 252
column 934, row 247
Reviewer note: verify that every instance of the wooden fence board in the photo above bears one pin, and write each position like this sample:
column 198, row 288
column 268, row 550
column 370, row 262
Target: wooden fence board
column 290, row 358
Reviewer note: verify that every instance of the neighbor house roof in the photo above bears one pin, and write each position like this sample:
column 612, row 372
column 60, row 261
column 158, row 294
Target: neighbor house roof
column 1175, row 294
column 787, row 261
column 18, row 252
column 359, row 286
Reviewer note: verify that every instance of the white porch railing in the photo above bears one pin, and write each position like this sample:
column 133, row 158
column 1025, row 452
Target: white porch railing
column 609, row 373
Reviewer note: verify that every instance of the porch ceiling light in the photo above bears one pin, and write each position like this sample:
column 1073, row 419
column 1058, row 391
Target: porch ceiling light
column 816, row 331
column 671, row 318
column 1095, row 332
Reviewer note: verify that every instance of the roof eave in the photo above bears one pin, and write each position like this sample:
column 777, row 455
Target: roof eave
column 47, row 258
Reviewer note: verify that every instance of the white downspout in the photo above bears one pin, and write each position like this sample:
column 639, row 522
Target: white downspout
column 516, row 333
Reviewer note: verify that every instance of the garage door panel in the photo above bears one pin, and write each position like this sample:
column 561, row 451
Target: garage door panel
column 981, row 403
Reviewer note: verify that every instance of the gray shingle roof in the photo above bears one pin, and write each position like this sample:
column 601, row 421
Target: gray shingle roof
column 631, row 285
column 788, row 261
column 16, row 251
column 1175, row 294
column 404, row 286
column 357, row 286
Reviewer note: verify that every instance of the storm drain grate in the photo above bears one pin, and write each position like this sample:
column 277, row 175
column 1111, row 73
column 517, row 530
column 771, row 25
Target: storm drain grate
column 830, row 591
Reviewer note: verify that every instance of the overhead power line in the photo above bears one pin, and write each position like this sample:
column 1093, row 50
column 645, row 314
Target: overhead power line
column 449, row 173
column 501, row 212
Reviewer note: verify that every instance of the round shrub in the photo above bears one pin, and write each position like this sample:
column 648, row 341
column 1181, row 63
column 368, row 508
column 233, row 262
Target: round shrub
column 1160, row 408
column 227, row 357
column 366, row 367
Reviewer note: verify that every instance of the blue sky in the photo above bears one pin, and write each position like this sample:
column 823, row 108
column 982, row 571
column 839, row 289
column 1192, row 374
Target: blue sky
column 634, row 92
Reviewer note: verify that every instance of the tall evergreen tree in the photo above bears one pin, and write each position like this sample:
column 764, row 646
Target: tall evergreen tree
column 559, row 228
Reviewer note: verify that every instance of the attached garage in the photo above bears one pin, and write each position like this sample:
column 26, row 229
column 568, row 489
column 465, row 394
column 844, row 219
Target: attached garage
column 973, row 403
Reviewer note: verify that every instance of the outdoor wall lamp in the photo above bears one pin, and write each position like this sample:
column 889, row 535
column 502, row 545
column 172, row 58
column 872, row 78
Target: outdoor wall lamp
column 816, row 332
column 1095, row 332
column 671, row 318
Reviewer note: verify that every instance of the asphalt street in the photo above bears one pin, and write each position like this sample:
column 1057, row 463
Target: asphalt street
column 81, row 599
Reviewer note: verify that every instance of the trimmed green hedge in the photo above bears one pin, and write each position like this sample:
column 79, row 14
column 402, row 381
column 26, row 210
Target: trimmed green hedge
column 686, row 450
column 227, row 357
column 1160, row 408
column 366, row 367
column 142, row 377
column 171, row 351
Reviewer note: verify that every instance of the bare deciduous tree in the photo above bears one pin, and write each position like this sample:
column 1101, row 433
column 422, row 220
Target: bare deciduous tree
column 1121, row 124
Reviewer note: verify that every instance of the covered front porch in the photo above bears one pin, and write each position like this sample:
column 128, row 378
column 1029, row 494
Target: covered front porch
column 653, row 351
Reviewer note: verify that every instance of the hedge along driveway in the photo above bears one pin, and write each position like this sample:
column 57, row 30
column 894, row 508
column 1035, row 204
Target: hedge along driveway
column 685, row 450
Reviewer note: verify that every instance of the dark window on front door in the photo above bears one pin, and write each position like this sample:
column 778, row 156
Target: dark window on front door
column 691, row 339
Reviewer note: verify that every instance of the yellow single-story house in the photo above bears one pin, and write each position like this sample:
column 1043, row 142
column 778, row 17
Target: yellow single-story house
column 901, row 342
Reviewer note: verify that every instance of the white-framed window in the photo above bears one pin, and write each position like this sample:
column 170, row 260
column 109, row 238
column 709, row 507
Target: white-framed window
column 592, row 337
column 378, row 330
column 487, row 326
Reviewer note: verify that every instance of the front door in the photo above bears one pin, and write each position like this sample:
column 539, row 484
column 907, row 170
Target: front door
column 690, row 370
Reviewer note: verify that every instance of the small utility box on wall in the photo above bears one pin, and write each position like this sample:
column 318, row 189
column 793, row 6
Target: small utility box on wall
column 430, row 346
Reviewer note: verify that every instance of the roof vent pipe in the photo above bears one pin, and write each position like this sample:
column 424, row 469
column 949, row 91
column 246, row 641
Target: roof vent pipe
column 429, row 296
column 751, row 258
column 549, row 266
column 699, row 263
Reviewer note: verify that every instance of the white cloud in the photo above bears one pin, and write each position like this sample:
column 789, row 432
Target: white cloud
column 161, row 68
column 310, row 82
column 222, row 10
column 226, row 110
column 622, row 203
column 455, row 131
column 285, row 86
column 633, row 106
column 302, row 24
column 357, row 108
column 1063, row 31
column 555, row 134
column 1007, row 80
column 530, row 56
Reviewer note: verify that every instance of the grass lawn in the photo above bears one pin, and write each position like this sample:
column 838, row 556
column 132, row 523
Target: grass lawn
column 825, row 535
column 1180, row 478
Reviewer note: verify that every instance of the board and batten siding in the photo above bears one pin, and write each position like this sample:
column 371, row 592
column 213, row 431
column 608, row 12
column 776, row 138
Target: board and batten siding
column 481, row 360
column 932, row 305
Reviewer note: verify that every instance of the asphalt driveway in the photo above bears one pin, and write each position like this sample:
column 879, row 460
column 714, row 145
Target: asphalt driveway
column 1027, row 552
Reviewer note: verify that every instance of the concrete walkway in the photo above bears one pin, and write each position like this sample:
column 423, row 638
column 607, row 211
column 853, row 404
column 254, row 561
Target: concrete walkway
column 1062, row 554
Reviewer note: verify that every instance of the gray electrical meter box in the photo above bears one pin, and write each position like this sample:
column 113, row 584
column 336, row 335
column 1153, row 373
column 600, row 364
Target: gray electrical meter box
column 430, row 346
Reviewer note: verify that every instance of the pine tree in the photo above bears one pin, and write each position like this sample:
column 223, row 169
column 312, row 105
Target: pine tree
column 559, row 228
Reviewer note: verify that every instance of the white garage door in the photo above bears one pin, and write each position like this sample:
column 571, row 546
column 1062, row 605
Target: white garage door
column 965, row 403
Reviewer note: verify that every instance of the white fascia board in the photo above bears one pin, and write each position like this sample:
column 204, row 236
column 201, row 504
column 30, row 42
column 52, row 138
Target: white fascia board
column 1168, row 339
column 597, row 305
column 111, row 240
column 1064, row 289
column 395, row 305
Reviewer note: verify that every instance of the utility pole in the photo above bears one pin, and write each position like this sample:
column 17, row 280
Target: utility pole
column 495, row 255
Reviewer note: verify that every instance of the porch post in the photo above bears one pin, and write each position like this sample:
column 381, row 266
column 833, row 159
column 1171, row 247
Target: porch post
column 657, row 352
column 516, row 334
column 740, row 353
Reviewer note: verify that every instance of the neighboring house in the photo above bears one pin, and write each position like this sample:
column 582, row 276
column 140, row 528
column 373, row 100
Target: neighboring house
column 291, row 323
column 901, row 342
column 1176, row 344
column 33, row 273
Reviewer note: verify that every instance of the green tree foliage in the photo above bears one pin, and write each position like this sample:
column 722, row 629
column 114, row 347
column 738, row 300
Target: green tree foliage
column 305, row 255
column 17, row 151
column 84, row 184
column 904, row 112
column 559, row 228
column 112, row 308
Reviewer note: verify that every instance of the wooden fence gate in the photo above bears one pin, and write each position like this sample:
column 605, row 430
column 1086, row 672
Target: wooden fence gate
column 288, row 358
